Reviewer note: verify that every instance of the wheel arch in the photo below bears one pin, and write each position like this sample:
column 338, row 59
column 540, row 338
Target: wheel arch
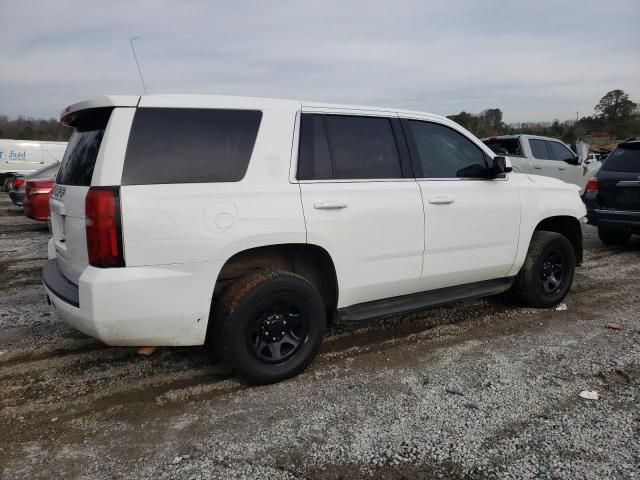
column 310, row 261
column 567, row 226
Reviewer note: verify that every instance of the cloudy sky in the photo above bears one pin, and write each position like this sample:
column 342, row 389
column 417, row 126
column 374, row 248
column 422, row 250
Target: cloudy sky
column 536, row 60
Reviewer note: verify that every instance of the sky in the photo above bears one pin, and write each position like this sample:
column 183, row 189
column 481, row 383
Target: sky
column 536, row 60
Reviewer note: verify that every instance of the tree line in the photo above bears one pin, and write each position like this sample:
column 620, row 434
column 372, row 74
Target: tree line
column 33, row 129
column 615, row 115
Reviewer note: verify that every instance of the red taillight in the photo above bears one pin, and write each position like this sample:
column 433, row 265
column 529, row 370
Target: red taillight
column 592, row 185
column 104, row 234
column 17, row 182
column 38, row 187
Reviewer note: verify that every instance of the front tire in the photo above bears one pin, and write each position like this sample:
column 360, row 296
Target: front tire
column 546, row 276
column 269, row 325
column 613, row 235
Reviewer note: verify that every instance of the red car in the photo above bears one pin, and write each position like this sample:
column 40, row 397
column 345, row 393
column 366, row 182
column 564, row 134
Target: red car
column 36, row 199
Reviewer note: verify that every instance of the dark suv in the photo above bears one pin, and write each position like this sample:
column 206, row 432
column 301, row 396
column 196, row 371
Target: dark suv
column 613, row 196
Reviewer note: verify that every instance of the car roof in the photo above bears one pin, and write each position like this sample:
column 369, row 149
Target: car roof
column 192, row 101
column 520, row 135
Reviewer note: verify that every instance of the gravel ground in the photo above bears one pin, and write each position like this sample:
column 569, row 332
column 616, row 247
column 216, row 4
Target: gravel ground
column 478, row 390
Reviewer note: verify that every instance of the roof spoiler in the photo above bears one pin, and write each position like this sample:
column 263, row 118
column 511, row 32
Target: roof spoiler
column 98, row 102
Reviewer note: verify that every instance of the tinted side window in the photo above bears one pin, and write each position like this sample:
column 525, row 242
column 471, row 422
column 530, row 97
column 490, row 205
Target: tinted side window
column 314, row 159
column 560, row 152
column 539, row 149
column 362, row 147
column 189, row 145
column 80, row 156
column 445, row 153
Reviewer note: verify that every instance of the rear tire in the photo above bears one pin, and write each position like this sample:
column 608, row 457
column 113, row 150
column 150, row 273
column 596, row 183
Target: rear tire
column 546, row 276
column 268, row 325
column 613, row 235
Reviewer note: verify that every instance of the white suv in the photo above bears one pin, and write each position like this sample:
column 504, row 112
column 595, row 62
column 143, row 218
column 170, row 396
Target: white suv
column 544, row 156
column 249, row 224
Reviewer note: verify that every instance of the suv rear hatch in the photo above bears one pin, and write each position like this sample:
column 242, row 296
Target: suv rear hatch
column 619, row 178
column 68, row 218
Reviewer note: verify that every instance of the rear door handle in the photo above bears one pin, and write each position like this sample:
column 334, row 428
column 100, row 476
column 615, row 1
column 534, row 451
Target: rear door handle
column 441, row 200
column 329, row 205
column 538, row 167
column 562, row 168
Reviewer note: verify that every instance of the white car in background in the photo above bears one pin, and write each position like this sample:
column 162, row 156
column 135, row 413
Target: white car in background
column 544, row 156
column 23, row 157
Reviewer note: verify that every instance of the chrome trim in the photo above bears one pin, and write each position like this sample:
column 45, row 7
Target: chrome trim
column 628, row 183
column 617, row 212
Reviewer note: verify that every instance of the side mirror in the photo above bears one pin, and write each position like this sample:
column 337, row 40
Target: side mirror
column 500, row 166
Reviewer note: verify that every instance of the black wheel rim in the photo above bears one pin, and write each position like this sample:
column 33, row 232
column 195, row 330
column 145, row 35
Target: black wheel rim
column 278, row 330
column 553, row 271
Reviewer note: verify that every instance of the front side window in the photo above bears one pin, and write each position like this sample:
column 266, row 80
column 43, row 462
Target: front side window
column 189, row 145
column 445, row 153
column 560, row 152
column 539, row 149
column 347, row 148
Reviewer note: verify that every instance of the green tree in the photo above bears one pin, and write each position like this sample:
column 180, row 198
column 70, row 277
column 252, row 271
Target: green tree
column 615, row 106
column 466, row 120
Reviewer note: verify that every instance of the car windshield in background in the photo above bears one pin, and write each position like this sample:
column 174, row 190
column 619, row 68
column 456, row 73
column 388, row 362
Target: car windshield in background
column 625, row 158
column 505, row 146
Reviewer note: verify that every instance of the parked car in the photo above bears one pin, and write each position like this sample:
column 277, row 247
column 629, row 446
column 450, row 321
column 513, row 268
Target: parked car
column 613, row 195
column 36, row 198
column 17, row 188
column 543, row 156
column 253, row 246
column 24, row 157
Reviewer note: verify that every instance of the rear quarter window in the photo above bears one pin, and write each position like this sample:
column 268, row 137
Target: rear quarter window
column 178, row 145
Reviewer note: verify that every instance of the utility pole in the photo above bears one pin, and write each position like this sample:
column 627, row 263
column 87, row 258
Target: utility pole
column 135, row 57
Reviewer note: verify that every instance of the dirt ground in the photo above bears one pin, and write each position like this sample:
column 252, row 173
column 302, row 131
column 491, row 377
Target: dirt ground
column 478, row 390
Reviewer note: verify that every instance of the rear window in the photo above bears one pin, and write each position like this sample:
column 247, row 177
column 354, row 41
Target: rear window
column 181, row 145
column 625, row 158
column 81, row 153
column 362, row 147
column 347, row 147
column 539, row 149
column 505, row 146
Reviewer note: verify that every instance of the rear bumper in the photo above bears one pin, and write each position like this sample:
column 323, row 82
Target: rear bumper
column 614, row 218
column 139, row 306
column 36, row 207
column 609, row 216
column 16, row 196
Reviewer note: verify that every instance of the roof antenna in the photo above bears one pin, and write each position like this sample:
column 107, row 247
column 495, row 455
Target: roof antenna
column 135, row 57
